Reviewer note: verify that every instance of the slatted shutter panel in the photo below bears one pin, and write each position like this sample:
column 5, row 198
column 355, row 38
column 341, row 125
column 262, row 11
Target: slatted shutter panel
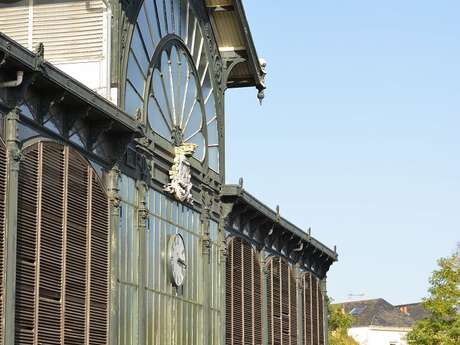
column 49, row 244
column 229, row 284
column 76, row 251
column 14, row 19
column 257, row 299
column 62, row 279
column 28, row 201
column 282, row 303
column 314, row 304
column 2, row 230
column 61, row 24
column 243, row 295
column 307, row 309
column 320, row 315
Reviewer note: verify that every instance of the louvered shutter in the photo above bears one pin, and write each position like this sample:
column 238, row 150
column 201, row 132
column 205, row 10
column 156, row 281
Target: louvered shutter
column 307, row 309
column 26, row 246
column 14, row 20
column 282, row 303
column 320, row 315
column 62, row 279
column 243, row 295
column 314, row 304
column 71, row 30
column 2, row 230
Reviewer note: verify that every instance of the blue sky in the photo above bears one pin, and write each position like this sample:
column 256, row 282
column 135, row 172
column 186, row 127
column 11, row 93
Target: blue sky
column 358, row 136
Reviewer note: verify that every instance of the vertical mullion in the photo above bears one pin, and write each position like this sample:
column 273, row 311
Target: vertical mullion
column 281, row 298
column 142, row 259
column 11, row 227
column 38, row 240
column 64, row 239
column 243, row 312
column 232, row 299
column 114, row 214
column 89, row 194
column 311, row 307
column 304, row 316
column 271, row 303
column 253, row 314
column 317, row 310
column 289, row 304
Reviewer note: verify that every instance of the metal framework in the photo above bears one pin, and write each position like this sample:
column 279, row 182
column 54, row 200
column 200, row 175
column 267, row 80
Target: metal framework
column 85, row 222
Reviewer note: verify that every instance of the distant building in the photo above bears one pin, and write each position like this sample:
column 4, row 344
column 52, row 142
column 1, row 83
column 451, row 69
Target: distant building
column 377, row 322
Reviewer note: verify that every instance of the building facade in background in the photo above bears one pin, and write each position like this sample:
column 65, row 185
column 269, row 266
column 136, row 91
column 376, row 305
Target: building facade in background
column 377, row 322
column 116, row 224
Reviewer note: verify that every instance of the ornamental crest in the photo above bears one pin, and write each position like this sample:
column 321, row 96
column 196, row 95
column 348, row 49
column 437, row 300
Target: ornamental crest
column 180, row 184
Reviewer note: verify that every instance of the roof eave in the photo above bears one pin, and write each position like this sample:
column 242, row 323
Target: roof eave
column 236, row 191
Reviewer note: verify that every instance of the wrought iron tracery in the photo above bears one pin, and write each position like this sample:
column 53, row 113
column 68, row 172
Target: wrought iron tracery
column 170, row 79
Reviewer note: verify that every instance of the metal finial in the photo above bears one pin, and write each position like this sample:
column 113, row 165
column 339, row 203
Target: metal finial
column 240, row 182
column 261, row 96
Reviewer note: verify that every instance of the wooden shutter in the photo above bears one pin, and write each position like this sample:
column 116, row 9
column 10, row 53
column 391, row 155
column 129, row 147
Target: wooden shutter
column 2, row 230
column 314, row 304
column 14, row 20
column 282, row 303
column 243, row 295
column 62, row 279
column 320, row 315
column 307, row 310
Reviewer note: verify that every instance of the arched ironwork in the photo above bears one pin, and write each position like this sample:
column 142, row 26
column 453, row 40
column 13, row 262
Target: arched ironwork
column 169, row 77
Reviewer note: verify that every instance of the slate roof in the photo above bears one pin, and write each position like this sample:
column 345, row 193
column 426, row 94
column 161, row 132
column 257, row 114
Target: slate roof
column 415, row 310
column 376, row 312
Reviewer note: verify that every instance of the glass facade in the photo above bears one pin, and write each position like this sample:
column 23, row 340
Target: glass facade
column 128, row 264
column 169, row 77
column 173, row 315
column 149, row 304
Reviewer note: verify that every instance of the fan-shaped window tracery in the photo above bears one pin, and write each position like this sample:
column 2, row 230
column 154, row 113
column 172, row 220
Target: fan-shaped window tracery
column 169, row 79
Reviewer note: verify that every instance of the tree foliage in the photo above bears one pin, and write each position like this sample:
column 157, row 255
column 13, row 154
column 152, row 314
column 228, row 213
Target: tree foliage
column 443, row 304
column 339, row 323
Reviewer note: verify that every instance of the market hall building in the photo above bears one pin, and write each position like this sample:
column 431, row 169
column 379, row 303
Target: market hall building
column 116, row 225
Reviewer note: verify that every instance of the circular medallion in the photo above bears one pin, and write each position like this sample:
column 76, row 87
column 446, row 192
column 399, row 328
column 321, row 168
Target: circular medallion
column 177, row 260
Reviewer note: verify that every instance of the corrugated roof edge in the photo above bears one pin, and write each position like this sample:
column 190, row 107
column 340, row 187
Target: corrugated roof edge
column 239, row 192
column 259, row 74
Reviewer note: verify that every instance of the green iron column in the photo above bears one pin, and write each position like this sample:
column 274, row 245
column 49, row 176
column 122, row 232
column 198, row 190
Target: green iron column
column 206, row 252
column 142, row 228
column 323, row 287
column 299, row 288
column 11, row 224
column 113, row 178
column 223, row 266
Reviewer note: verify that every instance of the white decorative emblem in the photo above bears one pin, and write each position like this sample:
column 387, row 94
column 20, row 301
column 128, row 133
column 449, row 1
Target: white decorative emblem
column 180, row 176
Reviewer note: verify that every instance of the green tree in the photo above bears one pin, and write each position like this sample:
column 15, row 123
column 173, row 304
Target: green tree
column 443, row 304
column 339, row 323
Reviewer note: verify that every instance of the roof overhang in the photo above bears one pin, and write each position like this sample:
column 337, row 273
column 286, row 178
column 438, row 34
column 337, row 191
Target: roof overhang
column 235, row 43
column 59, row 95
column 275, row 232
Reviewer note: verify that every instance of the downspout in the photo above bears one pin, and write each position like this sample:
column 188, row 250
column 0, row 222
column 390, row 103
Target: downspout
column 14, row 83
